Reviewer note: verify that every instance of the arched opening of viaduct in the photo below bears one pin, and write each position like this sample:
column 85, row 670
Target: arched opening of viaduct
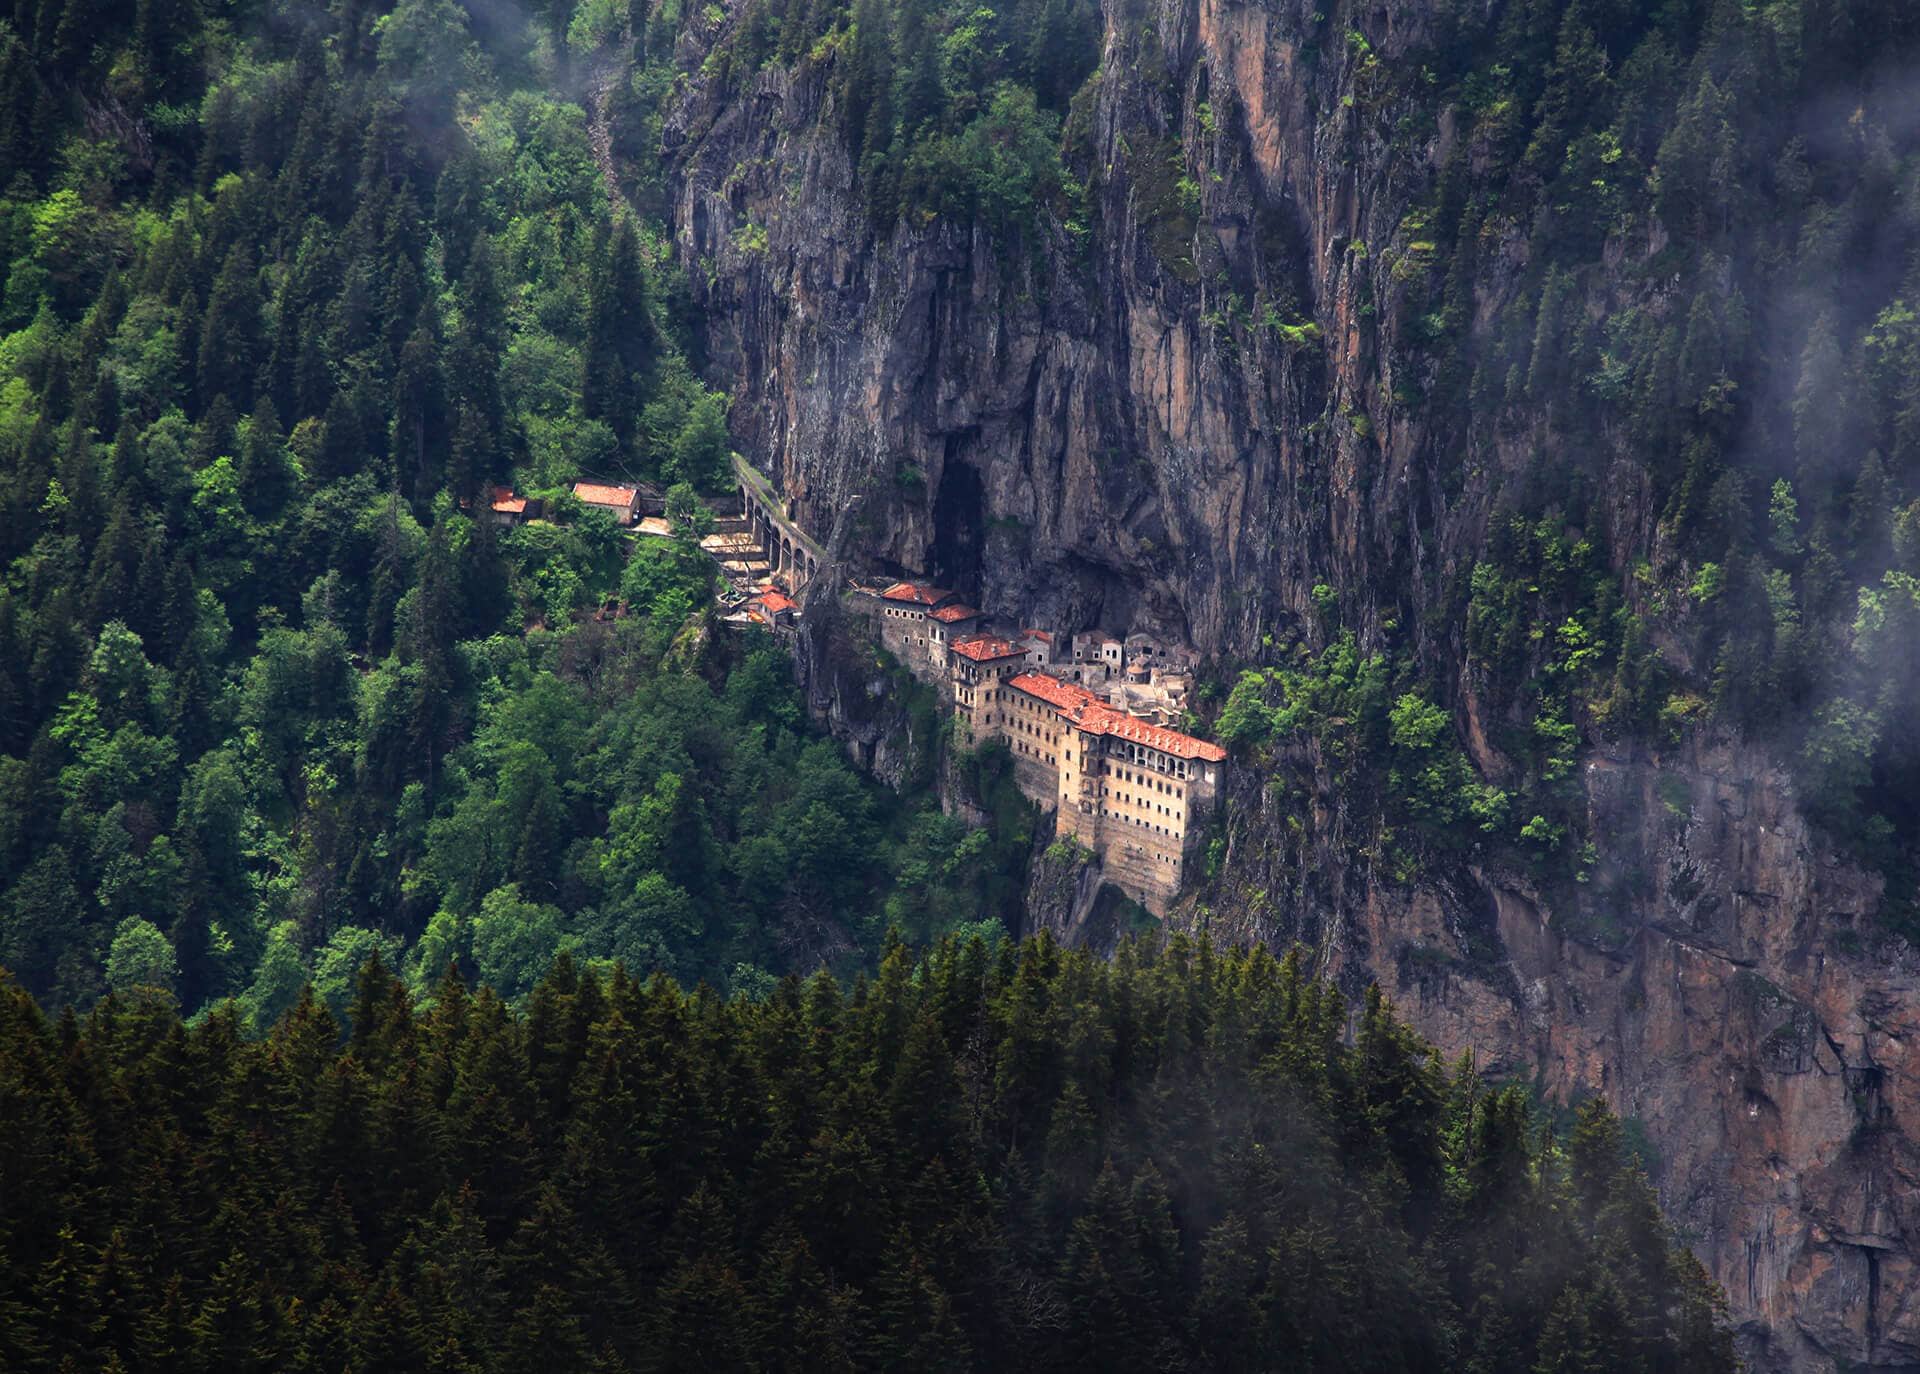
column 790, row 554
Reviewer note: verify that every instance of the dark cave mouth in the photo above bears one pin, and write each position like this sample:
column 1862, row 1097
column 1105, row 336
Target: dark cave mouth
column 959, row 528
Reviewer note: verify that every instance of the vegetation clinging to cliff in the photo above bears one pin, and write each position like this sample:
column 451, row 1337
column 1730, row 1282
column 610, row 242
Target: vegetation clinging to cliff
column 1720, row 205
column 949, row 110
column 1655, row 304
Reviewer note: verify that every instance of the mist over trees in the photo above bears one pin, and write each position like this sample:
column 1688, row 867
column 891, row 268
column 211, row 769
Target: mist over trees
column 1019, row 1158
column 1700, row 223
column 356, row 851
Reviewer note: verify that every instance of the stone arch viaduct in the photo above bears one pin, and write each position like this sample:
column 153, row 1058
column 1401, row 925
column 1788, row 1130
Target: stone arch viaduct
column 791, row 553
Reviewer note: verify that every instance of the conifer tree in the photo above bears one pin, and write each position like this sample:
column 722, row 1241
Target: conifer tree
column 230, row 338
column 640, row 1169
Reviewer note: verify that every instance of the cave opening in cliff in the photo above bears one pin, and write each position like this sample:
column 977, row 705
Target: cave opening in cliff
column 958, row 527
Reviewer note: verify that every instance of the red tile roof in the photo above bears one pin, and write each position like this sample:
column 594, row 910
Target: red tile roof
column 503, row 500
column 956, row 612
column 1105, row 720
column 595, row 494
column 1040, row 635
column 1086, row 711
column 985, row 648
column 775, row 600
column 919, row 593
column 1066, row 696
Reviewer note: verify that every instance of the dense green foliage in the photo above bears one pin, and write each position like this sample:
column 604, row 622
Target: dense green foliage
column 1721, row 205
column 286, row 290
column 1694, row 407
column 949, row 110
column 1372, row 719
column 1701, row 222
column 1035, row 1160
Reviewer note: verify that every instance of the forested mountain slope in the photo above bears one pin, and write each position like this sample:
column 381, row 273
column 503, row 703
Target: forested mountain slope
column 287, row 290
column 1033, row 1160
column 1519, row 400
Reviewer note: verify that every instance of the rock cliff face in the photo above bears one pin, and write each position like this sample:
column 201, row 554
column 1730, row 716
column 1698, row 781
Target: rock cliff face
column 1742, row 1006
column 869, row 706
column 1066, row 895
column 1076, row 427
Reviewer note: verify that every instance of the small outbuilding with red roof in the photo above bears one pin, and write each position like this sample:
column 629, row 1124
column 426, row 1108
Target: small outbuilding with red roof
column 622, row 503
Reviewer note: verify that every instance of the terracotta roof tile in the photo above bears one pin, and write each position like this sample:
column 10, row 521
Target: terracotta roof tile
column 985, row 648
column 919, row 593
column 596, row 494
column 503, row 500
column 775, row 600
column 1067, row 696
column 958, row 611
column 1105, row 720
column 1093, row 715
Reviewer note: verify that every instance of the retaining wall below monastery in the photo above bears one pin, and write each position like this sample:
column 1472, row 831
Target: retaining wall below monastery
column 1147, row 867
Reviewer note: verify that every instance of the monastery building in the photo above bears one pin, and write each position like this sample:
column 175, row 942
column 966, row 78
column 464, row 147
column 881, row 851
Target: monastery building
column 1136, row 792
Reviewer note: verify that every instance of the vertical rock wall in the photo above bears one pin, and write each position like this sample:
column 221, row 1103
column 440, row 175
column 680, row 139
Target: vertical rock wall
column 1067, row 430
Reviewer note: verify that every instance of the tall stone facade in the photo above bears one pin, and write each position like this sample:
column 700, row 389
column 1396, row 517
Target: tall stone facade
column 1137, row 794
